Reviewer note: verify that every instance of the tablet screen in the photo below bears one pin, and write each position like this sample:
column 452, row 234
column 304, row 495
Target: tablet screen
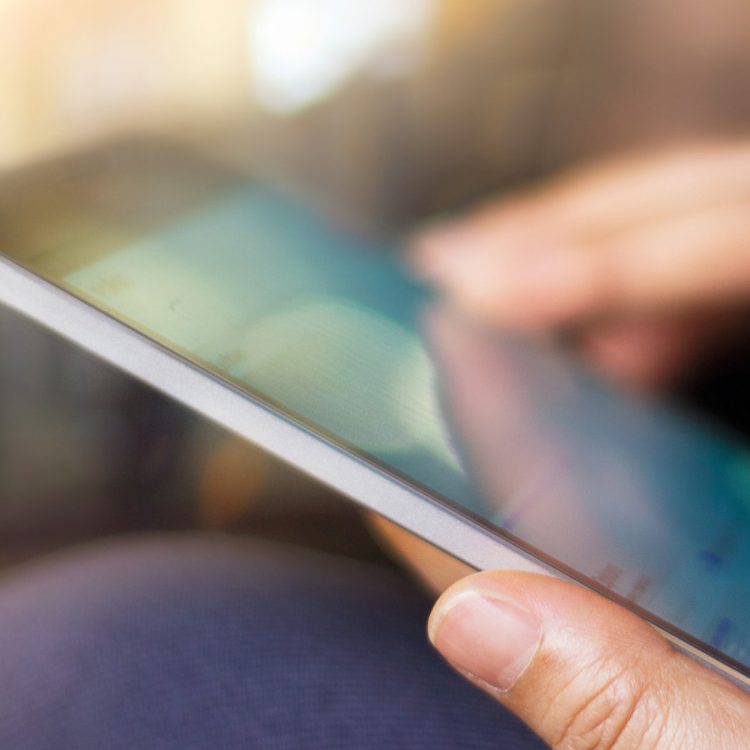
column 323, row 325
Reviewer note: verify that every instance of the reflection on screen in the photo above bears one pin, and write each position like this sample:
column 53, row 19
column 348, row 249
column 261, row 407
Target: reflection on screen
column 327, row 328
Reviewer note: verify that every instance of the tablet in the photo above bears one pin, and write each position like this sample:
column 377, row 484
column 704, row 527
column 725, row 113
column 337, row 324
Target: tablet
column 284, row 325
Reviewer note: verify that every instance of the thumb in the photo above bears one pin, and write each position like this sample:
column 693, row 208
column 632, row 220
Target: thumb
column 582, row 671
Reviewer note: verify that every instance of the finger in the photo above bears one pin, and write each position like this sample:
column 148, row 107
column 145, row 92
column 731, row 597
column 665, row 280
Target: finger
column 436, row 569
column 595, row 202
column 633, row 191
column 654, row 354
column 581, row 671
column 693, row 261
column 680, row 263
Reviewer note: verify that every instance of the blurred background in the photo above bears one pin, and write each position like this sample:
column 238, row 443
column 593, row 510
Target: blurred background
column 391, row 112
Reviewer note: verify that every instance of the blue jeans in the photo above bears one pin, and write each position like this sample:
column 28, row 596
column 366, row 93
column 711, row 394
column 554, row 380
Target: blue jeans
column 192, row 642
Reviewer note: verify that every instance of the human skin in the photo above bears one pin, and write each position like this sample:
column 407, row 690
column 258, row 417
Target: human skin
column 647, row 260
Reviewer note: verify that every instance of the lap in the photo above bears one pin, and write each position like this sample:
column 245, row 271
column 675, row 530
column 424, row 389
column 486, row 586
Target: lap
column 205, row 643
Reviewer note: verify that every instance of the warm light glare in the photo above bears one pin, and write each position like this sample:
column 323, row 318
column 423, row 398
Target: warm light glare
column 303, row 50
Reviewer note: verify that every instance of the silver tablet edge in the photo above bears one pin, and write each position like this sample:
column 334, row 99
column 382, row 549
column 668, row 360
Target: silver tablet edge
column 147, row 361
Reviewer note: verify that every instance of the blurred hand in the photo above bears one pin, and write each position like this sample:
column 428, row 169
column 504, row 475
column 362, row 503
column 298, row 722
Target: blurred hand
column 581, row 671
column 648, row 260
column 650, row 263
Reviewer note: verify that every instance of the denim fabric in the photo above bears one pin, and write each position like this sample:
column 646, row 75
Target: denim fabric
column 191, row 643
